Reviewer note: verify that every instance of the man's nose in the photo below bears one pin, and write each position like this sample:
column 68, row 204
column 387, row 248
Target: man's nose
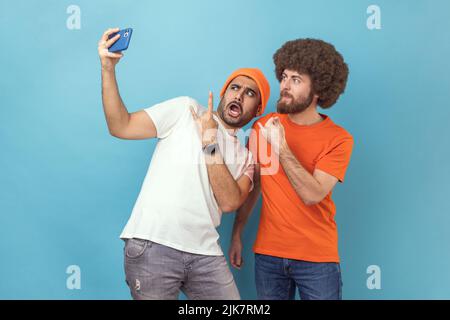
column 238, row 96
column 284, row 85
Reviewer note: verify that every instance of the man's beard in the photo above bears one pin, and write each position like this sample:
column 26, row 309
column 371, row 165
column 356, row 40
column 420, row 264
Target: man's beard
column 239, row 122
column 295, row 106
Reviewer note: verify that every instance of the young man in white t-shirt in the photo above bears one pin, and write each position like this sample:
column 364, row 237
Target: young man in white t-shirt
column 198, row 170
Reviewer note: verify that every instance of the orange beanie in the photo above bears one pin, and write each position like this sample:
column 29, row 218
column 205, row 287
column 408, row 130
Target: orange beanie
column 258, row 77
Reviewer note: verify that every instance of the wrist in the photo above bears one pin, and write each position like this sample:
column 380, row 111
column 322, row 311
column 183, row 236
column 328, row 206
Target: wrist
column 236, row 236
column 237, row 230
column 209, row 141
column 284, row 148
column 212, row 153
column 108, row 69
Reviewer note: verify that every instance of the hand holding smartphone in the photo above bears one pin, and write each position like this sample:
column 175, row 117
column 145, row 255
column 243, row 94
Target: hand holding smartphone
column 122, row 43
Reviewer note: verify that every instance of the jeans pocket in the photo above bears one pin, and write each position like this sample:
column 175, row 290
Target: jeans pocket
column 135, row 248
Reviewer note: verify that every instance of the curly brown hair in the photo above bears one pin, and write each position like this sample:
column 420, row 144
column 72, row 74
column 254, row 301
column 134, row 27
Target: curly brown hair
column 318, row 59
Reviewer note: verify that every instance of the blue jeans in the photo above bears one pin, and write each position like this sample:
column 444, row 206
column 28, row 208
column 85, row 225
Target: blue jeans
column 277, row 278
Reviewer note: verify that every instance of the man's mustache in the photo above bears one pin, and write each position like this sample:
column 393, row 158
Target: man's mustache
column 285, row 94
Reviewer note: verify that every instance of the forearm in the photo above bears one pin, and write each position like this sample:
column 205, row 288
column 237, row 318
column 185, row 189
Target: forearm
column 245, row 211
column 115, row 111
column 226, row 189
column 304, row 183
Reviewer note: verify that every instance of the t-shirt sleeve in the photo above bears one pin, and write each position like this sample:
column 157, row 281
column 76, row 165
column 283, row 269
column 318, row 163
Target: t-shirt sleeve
column 165, row 115
column 336, row 160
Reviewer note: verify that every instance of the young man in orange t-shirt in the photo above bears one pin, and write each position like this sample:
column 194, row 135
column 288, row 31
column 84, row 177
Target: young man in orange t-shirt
column 301, row 155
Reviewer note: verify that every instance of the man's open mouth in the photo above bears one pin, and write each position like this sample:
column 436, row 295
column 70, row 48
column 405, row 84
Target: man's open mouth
column 234, row 110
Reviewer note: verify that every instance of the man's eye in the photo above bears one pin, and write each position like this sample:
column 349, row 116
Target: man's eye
column 296, row 81
column 251, row 93
column 234, row 87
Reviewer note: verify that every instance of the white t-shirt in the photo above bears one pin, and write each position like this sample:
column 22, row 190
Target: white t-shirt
column 176, row 205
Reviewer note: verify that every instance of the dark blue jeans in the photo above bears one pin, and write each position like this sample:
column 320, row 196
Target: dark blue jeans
column 277, row 278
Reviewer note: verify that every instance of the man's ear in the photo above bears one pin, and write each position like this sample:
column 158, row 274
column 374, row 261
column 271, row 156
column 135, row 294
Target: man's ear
column 259, row 106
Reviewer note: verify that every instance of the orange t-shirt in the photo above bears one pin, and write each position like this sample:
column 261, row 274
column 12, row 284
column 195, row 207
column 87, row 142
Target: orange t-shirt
column 288, row 228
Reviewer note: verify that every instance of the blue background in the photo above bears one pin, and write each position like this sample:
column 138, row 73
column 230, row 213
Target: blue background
column 67, row 187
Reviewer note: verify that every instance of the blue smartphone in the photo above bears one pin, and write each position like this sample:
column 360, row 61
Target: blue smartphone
column 123, row 41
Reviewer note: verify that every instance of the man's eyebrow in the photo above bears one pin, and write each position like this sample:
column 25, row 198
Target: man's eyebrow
column 295, row 76
column 252, row 90
column 255, row 91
